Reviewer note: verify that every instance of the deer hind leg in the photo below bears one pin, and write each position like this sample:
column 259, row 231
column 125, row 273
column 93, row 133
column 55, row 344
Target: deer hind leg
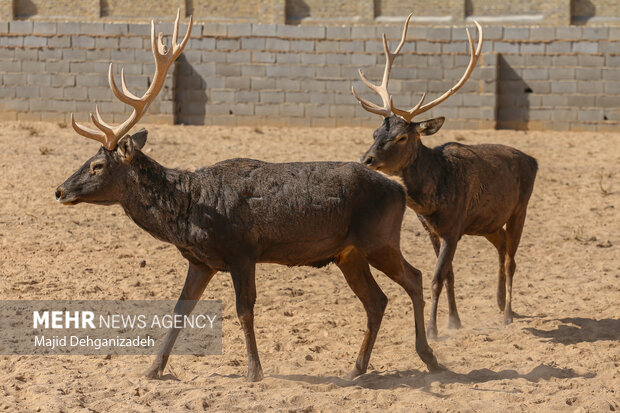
column 198, row 277
column 391, row 262
column 357, row 273
column 244, row 280
column 498, row 239
column 514, row 229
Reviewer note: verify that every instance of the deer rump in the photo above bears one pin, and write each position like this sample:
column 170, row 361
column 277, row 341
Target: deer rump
column 300, row 213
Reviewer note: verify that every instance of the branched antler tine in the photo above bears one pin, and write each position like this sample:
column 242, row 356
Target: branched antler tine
column 367, row 82
column 407, row 114
column 175, row 31
column 389, row 58
column 369, row 106
column 124, row 86
column 100, row 123
column 178, row 49
column 404, row 36
column 154, row 45
column 87, row 132
column 386, row 48
column 470, row 42
column 381, row 89
column 364, row 101
column 375, row 111
column 128, row 98
column 107, row 130
column 416, row 107
column 479, row 48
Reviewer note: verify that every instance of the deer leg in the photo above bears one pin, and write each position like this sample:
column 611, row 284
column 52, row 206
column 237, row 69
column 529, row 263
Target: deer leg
column 454, row 321
column 394, row 265
column 198, row 276
column 357, row 273
column 453, row 315
column 514, row 228
column 447, row 248
column 498, row 239
column 244, row 280
column 432, row 325
column 453, row 318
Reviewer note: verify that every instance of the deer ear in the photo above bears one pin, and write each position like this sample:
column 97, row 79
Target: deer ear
column 125, row 149
column 428, row 127
column 139, row 138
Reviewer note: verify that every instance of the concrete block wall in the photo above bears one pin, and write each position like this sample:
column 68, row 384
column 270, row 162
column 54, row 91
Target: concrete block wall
column 268, row 74
column 49, row 70
column 564, row 78
column 303, row 76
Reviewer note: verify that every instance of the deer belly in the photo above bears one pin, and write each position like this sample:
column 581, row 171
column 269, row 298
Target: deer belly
column 315, row 252
column 486, row 224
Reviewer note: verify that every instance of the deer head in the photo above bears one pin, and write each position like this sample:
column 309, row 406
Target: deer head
column 395, row 141
column 100, row 179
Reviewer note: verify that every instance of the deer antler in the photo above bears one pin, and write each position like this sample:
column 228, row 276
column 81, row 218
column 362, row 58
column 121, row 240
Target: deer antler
column 417, row 109
column 381, row 89
column 109, row 135
column 388, row 106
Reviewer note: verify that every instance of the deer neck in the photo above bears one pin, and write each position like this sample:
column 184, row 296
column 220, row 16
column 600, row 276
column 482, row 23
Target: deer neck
column 421, row 177
column 156, row 197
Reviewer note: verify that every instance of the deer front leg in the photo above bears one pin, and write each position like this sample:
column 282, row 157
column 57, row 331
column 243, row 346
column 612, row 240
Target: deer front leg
column 454, row 321
column 453, row 318
column 447, row 248
column 198, row 277
column 243, row 277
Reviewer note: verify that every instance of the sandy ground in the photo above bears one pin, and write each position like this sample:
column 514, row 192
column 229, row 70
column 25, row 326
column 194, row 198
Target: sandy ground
column 561, row 353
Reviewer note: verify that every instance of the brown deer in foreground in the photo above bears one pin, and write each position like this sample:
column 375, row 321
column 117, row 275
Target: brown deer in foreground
column 239, row 212
column 454, row 189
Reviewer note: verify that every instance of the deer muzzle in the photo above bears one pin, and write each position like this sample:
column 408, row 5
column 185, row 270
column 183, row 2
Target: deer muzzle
column 61, row 196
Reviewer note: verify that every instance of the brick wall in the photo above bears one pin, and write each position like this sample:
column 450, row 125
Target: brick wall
column 256, row 74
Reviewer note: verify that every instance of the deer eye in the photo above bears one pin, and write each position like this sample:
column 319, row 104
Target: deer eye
column 96, row 167
column 401, row 138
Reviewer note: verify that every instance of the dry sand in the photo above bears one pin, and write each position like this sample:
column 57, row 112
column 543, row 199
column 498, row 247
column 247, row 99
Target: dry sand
column 561, row 353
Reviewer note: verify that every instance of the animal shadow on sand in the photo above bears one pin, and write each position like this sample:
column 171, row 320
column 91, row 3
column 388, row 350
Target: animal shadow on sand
column 416, row 379
column 578, row 330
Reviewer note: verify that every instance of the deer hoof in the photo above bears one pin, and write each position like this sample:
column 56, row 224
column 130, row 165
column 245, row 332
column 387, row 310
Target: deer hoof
column 353, row 374
column 256, row 375
column 435, row 367
column 454, row 323
column 508, row 319
column 431, row 331
column 153, row 372
column 427, row 356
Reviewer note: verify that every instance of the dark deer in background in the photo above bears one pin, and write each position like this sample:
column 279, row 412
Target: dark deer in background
column 454, row 189
column 236, row 213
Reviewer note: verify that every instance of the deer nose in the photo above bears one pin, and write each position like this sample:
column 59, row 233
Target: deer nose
column 367, row 160
column 58, row 193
